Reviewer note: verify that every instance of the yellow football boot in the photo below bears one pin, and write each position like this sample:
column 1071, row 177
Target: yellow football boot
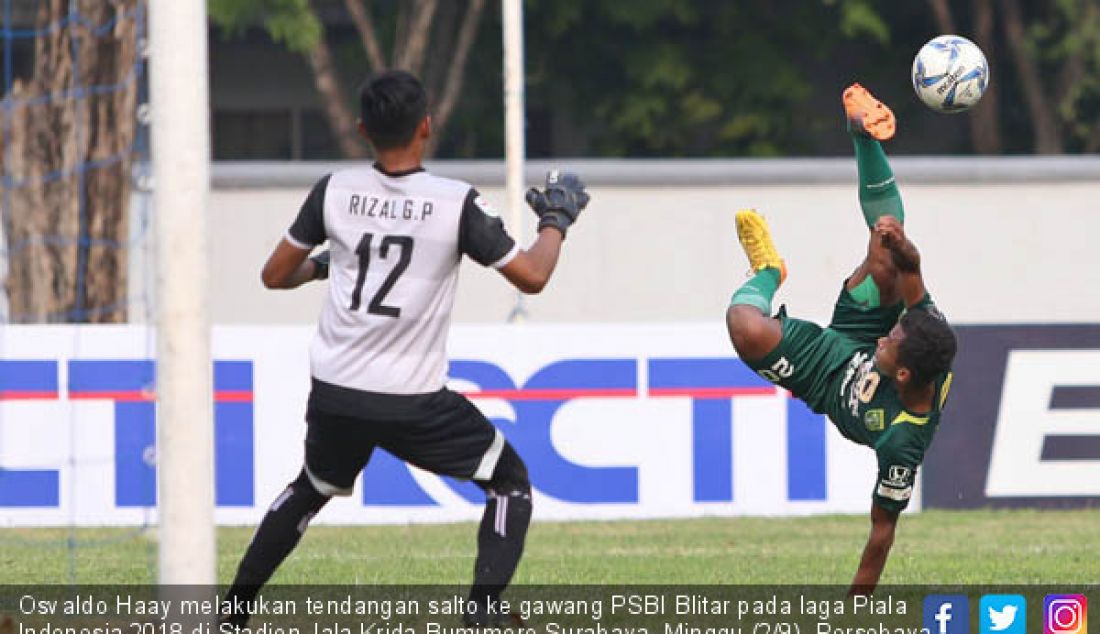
column 756, row 240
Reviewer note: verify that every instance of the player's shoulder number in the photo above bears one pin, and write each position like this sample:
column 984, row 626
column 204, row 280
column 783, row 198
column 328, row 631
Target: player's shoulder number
column 781, row 369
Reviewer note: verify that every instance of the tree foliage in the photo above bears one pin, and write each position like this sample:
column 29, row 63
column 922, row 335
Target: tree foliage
column 710, row 78
column 654, row 77
column 1066, row 40
column 289, row 22
column 420, row 38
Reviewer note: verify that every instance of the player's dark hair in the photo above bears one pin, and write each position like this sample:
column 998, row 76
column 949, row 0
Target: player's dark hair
column 391, row 105
column 929, row 345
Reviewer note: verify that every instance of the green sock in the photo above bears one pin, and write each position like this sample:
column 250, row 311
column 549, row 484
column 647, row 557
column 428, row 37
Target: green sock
column 878, row 193
column 758, row 291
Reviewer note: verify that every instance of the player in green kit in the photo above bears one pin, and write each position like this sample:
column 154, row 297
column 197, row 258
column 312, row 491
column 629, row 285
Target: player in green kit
column 881, row 369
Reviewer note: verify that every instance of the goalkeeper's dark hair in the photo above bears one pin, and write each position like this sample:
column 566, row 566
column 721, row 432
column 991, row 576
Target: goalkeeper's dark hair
column 929, row 345
column 391, row 105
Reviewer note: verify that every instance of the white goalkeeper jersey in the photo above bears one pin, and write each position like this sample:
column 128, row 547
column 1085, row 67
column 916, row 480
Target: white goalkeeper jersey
column 396, row 241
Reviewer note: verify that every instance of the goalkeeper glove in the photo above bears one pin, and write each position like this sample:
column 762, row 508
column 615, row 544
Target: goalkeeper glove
column 559, row 204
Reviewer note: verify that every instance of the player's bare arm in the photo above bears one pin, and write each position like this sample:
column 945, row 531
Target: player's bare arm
column 290, row 266
column 530, row 270
column 883, row 523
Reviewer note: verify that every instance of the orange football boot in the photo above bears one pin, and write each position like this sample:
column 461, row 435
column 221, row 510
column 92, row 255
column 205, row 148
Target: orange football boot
column 867, row 114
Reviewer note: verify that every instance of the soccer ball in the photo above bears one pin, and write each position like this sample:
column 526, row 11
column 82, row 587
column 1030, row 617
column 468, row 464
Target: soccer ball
column 950, row 73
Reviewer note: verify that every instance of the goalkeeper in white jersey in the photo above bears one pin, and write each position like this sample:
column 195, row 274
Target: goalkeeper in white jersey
column 395, row 236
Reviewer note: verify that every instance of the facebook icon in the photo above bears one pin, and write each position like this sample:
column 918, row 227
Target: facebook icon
column 947, row 614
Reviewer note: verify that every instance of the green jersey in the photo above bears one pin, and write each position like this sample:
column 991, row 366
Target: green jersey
column 833, row 370
column 869, row 411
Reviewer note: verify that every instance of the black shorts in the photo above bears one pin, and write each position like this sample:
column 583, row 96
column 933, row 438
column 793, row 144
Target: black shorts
column 441, row 432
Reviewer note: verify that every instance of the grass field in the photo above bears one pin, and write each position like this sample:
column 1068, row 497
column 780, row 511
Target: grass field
column 936, row 547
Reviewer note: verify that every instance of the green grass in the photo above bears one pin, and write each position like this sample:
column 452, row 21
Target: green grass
column 935, row 547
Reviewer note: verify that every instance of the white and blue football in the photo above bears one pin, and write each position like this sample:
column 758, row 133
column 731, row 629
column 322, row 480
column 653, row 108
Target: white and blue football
column 950, row 73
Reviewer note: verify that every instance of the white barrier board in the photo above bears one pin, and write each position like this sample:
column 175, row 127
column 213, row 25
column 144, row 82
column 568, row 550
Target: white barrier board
column 614, row 421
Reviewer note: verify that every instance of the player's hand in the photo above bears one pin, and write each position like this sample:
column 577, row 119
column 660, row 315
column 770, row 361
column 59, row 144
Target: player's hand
column 905, row 255
column 320, row 264
column 559, row 204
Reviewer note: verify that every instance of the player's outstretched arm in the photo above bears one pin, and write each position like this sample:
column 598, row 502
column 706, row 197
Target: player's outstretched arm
column 557, row 207
column 290, row 266
column 905, row 258
column 530, row 270
column 883, row 523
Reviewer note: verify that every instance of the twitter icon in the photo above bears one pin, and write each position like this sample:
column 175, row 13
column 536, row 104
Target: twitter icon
column 1003, row 614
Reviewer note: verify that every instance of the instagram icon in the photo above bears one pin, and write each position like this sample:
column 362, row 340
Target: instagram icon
column 1065, row 614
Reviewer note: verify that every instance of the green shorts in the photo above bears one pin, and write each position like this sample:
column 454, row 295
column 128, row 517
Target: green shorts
column 809, row 357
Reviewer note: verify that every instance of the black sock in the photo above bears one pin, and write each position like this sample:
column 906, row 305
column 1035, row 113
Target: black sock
column 276, row 537
column 500, row 541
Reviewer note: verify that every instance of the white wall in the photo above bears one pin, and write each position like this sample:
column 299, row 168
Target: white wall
column 1002, row 241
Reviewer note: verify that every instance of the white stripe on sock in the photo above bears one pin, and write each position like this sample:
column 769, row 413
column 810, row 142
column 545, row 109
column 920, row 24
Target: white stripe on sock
column 502, row 515
column 305, row 522
column 283, row 497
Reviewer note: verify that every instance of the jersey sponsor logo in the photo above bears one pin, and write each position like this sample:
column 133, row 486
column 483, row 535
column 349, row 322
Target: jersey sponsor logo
column 898, row 476
column 898, row 483
column 485, row 207
column 855, row 378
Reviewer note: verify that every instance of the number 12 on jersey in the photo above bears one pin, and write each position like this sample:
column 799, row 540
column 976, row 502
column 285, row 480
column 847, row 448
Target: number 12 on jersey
column 376, row 307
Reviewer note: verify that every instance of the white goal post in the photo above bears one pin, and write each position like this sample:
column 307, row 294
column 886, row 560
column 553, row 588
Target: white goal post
column 179, row 96
column 515, row 149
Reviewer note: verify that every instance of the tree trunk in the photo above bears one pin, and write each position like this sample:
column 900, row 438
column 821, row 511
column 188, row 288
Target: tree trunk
column 444, row 35
column 412, row 45
column 456, row 73
column 410, row 53
column 945, row 21
column 985, row 129
column 340, row 117
column 68, row 167
column 360, row 16
column 1043, row 120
